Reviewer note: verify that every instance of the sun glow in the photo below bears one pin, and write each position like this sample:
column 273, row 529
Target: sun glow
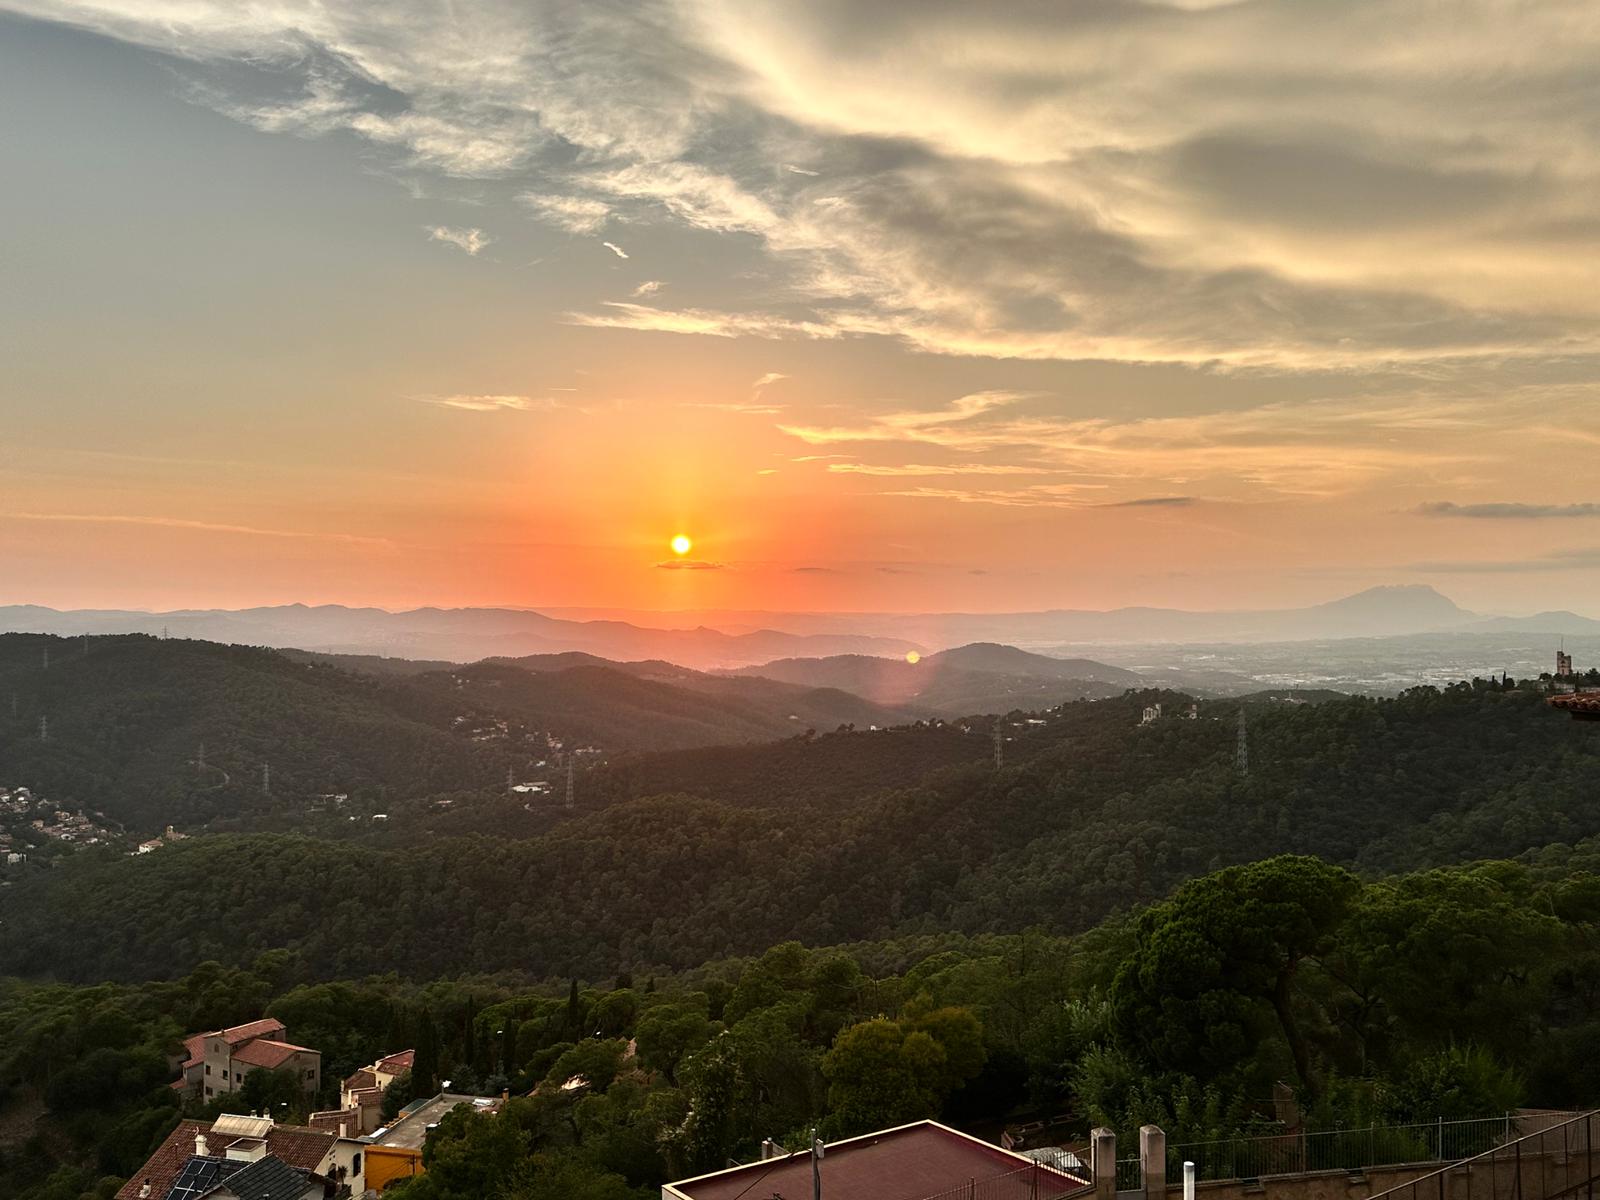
column 681, row 545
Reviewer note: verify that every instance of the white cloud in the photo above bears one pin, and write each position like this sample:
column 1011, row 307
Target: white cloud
column 1253, row 184
column 485, row 403
column 469, row 240
column 648, row 288
column 615, row 249
column 575, row 214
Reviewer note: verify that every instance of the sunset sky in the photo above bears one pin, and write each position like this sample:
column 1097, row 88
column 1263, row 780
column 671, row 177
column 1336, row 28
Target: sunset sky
column 890, row 305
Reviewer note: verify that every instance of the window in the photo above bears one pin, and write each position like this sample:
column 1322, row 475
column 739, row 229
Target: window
column 311, row 1073
column 355, row 1163
column 208, row 1091
column 208, row 1068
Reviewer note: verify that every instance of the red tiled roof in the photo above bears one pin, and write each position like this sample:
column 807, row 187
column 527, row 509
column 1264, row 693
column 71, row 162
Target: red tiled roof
column 163, row 1166
column 913, row 1161
column 235, row 1034
column 396, row 1063
column 301, row 1148
column 263, row 1052
column 1579, row 703
column 363, row 1078
column 195, row 1045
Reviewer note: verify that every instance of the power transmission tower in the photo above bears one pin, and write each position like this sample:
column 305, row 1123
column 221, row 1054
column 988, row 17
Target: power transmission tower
column 508, row 781
column 999, row 745
column 1242, row 755
column 266, row 779
column 46, row 666
column 200, row 761
column 569, row 781
column 44, row 729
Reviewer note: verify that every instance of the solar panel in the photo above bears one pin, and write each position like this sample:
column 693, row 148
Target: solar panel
column 199, row 1176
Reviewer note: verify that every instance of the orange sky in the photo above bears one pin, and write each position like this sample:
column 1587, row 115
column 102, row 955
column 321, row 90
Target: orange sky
column 446, row 316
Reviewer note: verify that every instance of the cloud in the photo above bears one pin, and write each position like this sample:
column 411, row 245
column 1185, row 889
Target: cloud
column 619, row 315
column 487, row 403
column 615, row 249
column 1153, row 502
column 1252, row 185
column 856, row 468
column 1580, row 559
column 768, row 378
column 197, row 526
column 470, row 240
column 1500, row 511
column 815, row 571
column 648, row 288
column 575, row 214
column 688, row 564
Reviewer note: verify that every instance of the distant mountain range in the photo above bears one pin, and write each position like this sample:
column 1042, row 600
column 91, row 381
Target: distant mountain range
column 455, row 634
column 724, row 640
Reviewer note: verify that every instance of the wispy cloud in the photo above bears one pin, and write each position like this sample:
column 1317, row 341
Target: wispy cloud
column 197, row 526
column 648, row 288
column 575, row 214
column 485, row 403
column 1511, row 511
column 688, row 564
column 857, row 468
column 620, row 315
column 1153, row 502
column 615, row 249
column 469, row 240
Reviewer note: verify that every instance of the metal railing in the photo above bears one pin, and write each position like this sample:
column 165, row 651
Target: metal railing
column 1554, row 1161
column 1037, row 1182
column 1334, row 1149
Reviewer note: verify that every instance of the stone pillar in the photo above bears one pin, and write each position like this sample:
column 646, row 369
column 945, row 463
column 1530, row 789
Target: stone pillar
column 1153, row 1161
column 1103, row 1152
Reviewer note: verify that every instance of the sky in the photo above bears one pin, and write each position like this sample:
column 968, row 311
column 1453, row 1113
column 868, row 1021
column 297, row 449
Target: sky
column 904, row 306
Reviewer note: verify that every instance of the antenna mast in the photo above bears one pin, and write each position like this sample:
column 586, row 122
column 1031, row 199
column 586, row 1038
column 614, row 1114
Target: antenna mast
column 1242, row 756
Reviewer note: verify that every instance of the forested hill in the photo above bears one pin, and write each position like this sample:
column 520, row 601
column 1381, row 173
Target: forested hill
column 979, row 678
column 620, row 707
column 1101, row 815
column 116, row 724
column 127, row 717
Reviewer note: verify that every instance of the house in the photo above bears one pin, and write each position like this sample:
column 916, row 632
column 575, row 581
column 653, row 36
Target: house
column 924, row 1159
column 217, row 1062
column 395, row 1151
column 247, row 1158
column 363, row 1091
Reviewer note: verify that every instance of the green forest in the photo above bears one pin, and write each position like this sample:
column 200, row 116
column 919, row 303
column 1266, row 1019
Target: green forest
column 1393, row 907
column 1441, row 994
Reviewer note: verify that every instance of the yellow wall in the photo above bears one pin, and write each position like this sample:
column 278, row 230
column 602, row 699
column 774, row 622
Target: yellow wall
column 385, row 1164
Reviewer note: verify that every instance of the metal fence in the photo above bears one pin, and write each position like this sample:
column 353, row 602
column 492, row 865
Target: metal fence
column 1558, row 1160
column 1037, row 1182
column 1335, row 1149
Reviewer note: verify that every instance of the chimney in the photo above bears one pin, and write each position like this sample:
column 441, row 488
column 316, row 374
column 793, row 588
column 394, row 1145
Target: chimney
column 144, row 1190
column 200, row 1144
column 342, row 1127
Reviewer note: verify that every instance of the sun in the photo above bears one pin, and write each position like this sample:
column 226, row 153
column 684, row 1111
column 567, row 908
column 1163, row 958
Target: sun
column 913, row 657
column 681, row 545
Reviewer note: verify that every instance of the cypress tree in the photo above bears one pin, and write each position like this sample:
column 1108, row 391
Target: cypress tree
column 425, row 1066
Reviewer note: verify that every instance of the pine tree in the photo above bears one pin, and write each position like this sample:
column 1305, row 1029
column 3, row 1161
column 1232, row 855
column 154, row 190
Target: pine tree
column 574, row 1011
